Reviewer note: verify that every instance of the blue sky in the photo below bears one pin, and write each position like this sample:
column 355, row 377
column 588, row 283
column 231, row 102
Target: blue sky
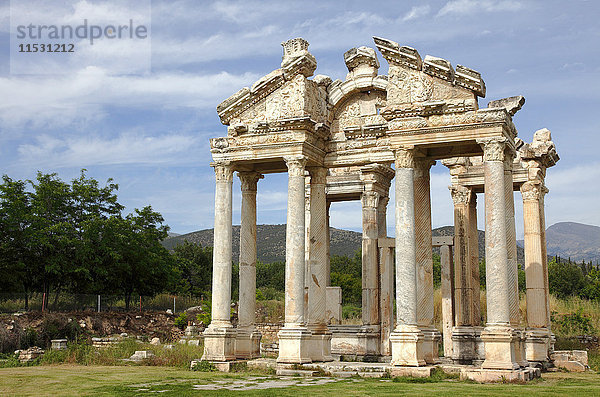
column 149, row 130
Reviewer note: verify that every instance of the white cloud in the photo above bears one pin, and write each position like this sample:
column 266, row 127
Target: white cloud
column 48, row 152
column 42, row 102
column 467, row 7
column 416, row 12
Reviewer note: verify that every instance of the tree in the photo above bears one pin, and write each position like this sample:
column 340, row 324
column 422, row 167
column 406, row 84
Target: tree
column 193, row 264
column 565, row 279
column 133, row 257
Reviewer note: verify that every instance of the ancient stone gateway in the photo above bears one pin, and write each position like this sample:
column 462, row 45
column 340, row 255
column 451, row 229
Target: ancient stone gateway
column 338, row 141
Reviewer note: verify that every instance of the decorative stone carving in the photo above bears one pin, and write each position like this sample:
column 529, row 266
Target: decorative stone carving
column 223, row 172
column 295, row 165
column 531, row 191
column 249, row 180
column 493, row 149
column 461, row 194
column 370, row 199
column 405, row 158
column 297, row 59
column 512, row 104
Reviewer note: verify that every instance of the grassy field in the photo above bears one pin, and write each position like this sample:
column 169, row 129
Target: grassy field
column 76, row 380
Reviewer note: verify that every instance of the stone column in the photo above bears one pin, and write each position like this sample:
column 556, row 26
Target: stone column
column 537, row 333
column 248, row 338
column 406, row 339
column 545, row 263
column 511, row 244
column 294, row 337
column 447, row 288
column 370, row 273
column 328, row 248
column 424, row 259
column 386, row 281
column 463, row 333
column 219, row 336
column 473, row 244
column 317, row 283
column 369, row 334
column 498, row 334
column 473, row 248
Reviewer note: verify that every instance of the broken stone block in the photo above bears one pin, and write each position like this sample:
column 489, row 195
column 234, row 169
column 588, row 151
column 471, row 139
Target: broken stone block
column 59, row 344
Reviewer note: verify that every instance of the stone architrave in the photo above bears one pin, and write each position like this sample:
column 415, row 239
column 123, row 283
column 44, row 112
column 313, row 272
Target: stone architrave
column 424, row 260
column 294, row 337
column 498, row 335
column 406, row 340
column 248, row 338
column 219, row 336
column 317, row 264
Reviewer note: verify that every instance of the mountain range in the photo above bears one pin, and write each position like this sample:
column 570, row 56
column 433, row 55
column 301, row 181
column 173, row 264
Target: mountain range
column 271, row 241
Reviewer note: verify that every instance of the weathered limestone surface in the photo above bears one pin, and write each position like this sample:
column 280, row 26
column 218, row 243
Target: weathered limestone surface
column 219, row 336
column 248, row 338
column 337, row 141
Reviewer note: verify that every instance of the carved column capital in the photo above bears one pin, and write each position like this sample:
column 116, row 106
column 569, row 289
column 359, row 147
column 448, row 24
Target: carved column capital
column 405, row 158
column 370, row 199
column 461, row 194
column 318, row 175
column 383, row 202
column 532, row 191
column 223, row 171
column 422, row 166
column 249, row 179
column 493, row 149
column 295, row 165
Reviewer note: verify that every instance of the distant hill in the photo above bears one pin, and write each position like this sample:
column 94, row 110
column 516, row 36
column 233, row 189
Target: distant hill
column 271, row 241
column 574, row 240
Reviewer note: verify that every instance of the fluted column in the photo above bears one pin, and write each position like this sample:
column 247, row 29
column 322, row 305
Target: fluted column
column 511, row 244
column 370, row 271
column 386, row 281
column 219, row 337
column 317, row 281
column 498, row 334
column 463, row 333
column 406, row 339
column 424, row 260
column 328, row 247
column 294, row 336
column 248, row 338
column 535, row 273
column 473, row 244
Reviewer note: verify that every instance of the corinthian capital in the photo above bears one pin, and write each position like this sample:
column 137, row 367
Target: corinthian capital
column 493, row 149
column 318, row 175
column 532, row 191
column 249, row 179
column 370, row 199
column 223, row 171
column 461, row 194
column 295, row 165
column 422, row 167
column 405, row 158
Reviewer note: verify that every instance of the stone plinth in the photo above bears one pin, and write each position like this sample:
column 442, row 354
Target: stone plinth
column 490, row 375
column 247, row 343
column 294, row 346
column 59, row 344
column 219, row 344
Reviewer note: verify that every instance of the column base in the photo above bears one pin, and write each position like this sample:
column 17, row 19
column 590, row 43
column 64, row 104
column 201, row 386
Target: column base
column 219, row 344
column 520, row 354
column 479, row 346
column 407, row 347
column 247, row 343
column 537, row 345
column 321, row 347
column 464, row 347
column 499, row 347
column 369, row 340
column 431, row 341
column 294, row 345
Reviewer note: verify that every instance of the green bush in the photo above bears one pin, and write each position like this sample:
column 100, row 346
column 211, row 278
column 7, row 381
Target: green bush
column 351, row 311
column 181, row 321
column 575, row 323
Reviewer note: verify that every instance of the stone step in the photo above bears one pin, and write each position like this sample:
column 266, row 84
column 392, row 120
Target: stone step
column 297, row 372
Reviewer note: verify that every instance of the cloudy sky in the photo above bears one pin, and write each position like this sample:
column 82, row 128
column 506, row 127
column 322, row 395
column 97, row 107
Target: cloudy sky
column 148, row 127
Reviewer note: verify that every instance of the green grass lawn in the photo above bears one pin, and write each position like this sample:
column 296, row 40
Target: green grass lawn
column 78, row 380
